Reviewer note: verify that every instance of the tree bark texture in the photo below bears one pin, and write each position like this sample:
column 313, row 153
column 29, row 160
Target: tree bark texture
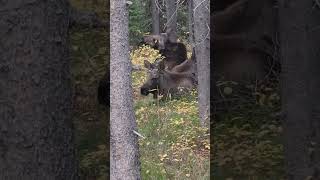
column 124, row 161
column 171, row 8
column 36, row 132
column 155, row 17
column 300, row 53
column 201, row 16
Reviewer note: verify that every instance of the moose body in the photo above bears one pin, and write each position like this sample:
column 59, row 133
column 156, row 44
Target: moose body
column 162, row 81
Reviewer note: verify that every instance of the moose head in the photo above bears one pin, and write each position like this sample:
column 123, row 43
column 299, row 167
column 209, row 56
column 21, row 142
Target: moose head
column 153, row 81
column 163, row 81
column 156, row 41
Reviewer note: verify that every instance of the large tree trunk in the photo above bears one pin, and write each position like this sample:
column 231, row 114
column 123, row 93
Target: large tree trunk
column 300, row 87
column 202, row 53
column 36, row 133
column 124, row 143
column 155, row 17
column 171, row 25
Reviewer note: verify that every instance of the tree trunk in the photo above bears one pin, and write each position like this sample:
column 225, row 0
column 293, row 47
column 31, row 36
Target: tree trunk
column 36, row 132
column 155, row 17
column 171, row 26
column 300, row 88
column 124, row 143
column 201, row 17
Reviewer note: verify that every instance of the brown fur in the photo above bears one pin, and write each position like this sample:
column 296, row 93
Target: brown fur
column 174, row 53
column 241, row 47
column 167, row 81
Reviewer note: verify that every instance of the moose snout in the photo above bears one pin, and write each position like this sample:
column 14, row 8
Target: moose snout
column 144, row 91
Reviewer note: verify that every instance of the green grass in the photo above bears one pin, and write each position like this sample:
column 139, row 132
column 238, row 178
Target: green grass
column 175, row 146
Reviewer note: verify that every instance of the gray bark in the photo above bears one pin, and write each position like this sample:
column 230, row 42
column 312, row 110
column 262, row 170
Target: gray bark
column 299, row 38
column 124, row 160
column 155, row 17
column 171, row 25
column 36, row 132
column 201, row 16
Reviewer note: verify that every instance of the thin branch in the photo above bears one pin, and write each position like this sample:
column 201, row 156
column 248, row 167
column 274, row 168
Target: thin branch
column 174, row 13
column 203, row 39
column 158, row 5
column 194, row 10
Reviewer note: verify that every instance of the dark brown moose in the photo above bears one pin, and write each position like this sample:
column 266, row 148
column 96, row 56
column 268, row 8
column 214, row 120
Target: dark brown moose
column 174, row 53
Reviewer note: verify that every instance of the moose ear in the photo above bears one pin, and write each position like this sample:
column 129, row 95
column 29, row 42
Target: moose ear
column 147, row 64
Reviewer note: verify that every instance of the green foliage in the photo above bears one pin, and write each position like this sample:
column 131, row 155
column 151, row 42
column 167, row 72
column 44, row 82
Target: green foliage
column 183, row 22
column 139, row 21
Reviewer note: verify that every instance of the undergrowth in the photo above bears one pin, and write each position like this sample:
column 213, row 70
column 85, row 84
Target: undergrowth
column 246, row 136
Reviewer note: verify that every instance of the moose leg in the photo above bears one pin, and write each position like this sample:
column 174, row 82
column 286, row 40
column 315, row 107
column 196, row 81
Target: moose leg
column 155, row 95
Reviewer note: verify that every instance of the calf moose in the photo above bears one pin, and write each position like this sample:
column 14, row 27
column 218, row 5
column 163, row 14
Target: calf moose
column 163, row 81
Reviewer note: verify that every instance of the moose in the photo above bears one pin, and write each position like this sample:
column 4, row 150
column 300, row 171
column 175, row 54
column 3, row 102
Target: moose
column 174, row 53
column 163, row 81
